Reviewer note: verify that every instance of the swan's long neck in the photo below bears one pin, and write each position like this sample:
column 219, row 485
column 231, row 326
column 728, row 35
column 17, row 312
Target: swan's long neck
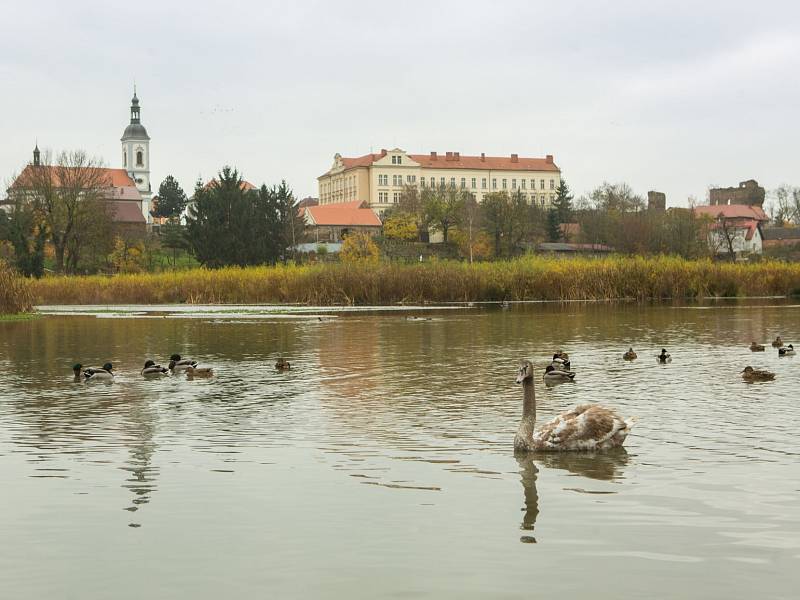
column 524, row 437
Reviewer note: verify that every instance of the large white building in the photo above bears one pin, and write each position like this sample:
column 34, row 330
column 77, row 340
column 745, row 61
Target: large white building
column 379, row 179
column 136, row 156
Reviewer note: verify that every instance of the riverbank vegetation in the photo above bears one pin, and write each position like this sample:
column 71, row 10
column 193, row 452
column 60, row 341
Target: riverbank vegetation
column 15, row 292
column 365, row 282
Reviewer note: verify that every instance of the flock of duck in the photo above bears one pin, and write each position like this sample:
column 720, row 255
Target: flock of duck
column 590, row 427
column 176, row 366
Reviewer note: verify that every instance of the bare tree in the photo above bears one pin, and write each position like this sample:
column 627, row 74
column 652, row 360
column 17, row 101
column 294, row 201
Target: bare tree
column 70, row 197
column 781, row 209
column 726, row 234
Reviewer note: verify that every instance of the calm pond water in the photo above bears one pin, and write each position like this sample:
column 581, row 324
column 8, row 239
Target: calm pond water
column 381, row 465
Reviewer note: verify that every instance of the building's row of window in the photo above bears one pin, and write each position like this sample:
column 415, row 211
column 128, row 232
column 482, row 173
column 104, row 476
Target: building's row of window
column 397, row 180
column 383, row 198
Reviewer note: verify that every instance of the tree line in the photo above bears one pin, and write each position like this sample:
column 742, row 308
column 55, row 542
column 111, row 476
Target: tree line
column 59, row 214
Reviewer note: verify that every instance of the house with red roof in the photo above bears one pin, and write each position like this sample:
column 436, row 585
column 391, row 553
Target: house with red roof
column 333, row 222
column 735, row 226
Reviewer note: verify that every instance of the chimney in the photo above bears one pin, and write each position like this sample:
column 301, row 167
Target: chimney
column 383, row 151
column 483, row 157
column 549, row 159
column 448, row 156
column 456, row 155
column 514, row 158
column 433, row 155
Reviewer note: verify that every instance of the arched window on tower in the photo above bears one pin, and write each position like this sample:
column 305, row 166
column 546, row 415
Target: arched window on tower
column 139, row 158
column 125, row 158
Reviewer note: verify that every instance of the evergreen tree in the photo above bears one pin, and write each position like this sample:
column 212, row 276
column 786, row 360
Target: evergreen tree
column 171, row 199
column 173, row 237
column 553, row 229
column 27, row 235
column 291, row 225
column 563, row 203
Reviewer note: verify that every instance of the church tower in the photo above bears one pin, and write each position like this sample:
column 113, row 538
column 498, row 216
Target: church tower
column 136, row 155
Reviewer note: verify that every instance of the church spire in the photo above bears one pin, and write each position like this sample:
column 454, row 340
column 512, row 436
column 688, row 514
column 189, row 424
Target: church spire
column 36, row 155
column 135, row 117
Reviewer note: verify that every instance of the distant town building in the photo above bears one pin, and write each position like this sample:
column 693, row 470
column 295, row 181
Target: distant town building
column 781, row 236
column 656, row 201
column 332, row 223
column 122, row 196
column 308, row 201
column 748, row 193
column 740, row 223
column 378, row 179
column 136, row 156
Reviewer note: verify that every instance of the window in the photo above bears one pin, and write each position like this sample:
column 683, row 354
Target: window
column 552, row 184
column 505, row 183
column 533, row 184
column 452, row 182
column 397, row 180
column 513, row 184
column 383, row 180
column 411, row 179
column 139, row 158
column 463, row 182
column 541, row 184
column 522, row 183
column 473, row 183
column 441, row 181
column 125, row 159
column 396, row 197
column 494, row 183
column 422, row 181
column 397, row 160
column 483, row 183
column 383, row 197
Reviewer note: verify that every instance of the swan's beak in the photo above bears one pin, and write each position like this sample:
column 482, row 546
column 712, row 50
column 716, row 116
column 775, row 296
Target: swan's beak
column 521, row 376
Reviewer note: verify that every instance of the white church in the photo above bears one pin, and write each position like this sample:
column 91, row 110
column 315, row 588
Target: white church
column 136, row 156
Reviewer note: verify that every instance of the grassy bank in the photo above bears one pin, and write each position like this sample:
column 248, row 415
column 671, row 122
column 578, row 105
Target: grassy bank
column 530, row 278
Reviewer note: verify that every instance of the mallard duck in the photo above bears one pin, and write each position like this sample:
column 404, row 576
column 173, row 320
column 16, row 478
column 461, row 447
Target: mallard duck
column 553, row 375
column 756, row 347
column 777, row 343
column 750, row 374
column 179, row 365
column 152, row 369
column 77, row 370
column 664, row 357
column 788, row 351
column 282, row 364
column 103, row 374
column 629, row 355
column 192, row 372
column 560, row 361
column 585, row 427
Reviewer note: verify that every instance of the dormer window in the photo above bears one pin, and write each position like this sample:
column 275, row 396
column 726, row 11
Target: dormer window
column 397, row 160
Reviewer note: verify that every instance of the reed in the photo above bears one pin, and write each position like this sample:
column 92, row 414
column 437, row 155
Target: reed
column 528, row 278
column 15, row 292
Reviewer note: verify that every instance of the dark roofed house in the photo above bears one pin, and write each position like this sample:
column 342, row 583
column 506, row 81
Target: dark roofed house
column 781, row 236
column 332, row 222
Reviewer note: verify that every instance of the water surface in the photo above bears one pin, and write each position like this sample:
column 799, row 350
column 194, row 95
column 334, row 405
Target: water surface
column 381, row 465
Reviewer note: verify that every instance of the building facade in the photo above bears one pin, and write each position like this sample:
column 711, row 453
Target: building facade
column 748, row 193
column 136, row 156
column 378, row 179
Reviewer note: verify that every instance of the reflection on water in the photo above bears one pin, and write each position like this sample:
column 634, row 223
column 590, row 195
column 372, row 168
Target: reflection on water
column 383, row 461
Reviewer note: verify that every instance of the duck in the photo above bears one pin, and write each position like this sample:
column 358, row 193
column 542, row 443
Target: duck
column 777, row 342
column 664, row 357
column 754, row 347
column 750, row 375
column 586, row 427
column 151, row 368
column 282, row 364
column 554, row 375
column 179, row 365
column 77, row 370
column 788, row 351
column 629, row 355
column 192, row 372
column 103, row 374
column 560, row 361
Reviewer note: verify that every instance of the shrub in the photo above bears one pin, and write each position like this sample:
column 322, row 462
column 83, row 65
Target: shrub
column 360, row 248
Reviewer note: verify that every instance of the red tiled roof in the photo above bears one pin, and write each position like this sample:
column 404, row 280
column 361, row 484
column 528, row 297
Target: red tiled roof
column 344, row 213
column 245, row 185
column 114, row 177
column 733, row 211
column 442, row 161
column 126, row 212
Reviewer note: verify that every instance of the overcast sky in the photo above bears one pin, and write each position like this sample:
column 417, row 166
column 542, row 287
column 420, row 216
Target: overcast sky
column 671, row 96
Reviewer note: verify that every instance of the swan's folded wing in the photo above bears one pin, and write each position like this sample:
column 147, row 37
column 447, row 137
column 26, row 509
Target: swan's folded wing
column 586, row 427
